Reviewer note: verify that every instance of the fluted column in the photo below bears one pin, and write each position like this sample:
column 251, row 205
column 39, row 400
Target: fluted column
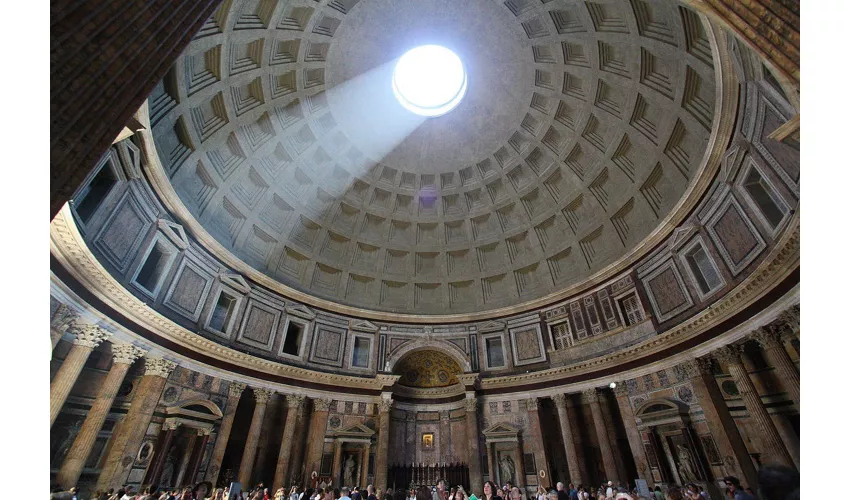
column 123, row 356
column 567, row 436
column 774, row 448
column 249, row 454
column 381, row 451
column 130, row 433
column 88, row 337
column 234, row 392
column 59, row 322
column 720, row 422
column 293, row 405
column 591, row 397
column 632, row 434
column 520, row 465
column 475, row 477
column 777, row 356
column 537, row 436
column 491, row 462
column 316, row 443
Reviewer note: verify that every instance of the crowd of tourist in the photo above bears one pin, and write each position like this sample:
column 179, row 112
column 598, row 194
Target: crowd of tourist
column 775, row 483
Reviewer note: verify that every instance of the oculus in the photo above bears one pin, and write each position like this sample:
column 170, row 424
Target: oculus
column 429, row 80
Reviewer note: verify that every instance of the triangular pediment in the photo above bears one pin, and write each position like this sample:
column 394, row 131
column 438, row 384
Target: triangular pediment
column 236, row 281
column 681, row 235
column 491, row 326
column 174, row 232
column 355, row 431
column 301, row 311
column 501, row 430
column 361, row 325
column 731, row 163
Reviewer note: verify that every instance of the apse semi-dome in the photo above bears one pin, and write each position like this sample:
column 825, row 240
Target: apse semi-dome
column 582, row 127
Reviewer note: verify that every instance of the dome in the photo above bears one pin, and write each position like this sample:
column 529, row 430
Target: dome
column 582, row 128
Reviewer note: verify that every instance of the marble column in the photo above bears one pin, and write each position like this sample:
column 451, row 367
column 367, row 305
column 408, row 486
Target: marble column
column 537, row 437
column 87, row 337
column 155, row 470
column 632, row 433
column 336, row 474
column 293, row 406
column 129, row 434
column 774, row 451
column 721, row 424
column 186, row 458
column 777, row 356
column 567, row 436
column 610, row 425
column 234, row 392
column 316, row 443
column 198, row 456
column 364, row 467
column 249, row 453
column 297, row 461
column 123, row 356
column 59, row 323
column 381, row 449
column 591, row 397
column 476, row 480
column 445, row 438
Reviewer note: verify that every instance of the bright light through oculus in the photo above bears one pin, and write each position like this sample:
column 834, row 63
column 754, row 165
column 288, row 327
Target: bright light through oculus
column 429, row 80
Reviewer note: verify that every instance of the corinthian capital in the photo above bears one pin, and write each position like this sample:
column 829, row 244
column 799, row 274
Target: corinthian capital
column 791, row 317
column 471, row 404
column 767, row 338
column 262, row 396
column 159, row 367
column 560, row 400
column 590, row 396
column 87, row 334
column 385, row 405
column 532, row 404
column 730, row 354
column 126, row 354
column 234, row 390
column 294, row 401
column 63, row 317
column 321, row 404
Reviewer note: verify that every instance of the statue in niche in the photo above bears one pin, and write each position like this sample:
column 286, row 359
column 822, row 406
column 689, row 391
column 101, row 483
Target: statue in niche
column 506, row 465
column 686, row 467
column 168, row 468
column 348, row 471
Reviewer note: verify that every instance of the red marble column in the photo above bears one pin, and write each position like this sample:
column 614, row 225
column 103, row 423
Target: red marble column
column 316, row 442
column 381, row 451
column 537, row 438
column 632, row 433
column 476, row 480
column 592, row 398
